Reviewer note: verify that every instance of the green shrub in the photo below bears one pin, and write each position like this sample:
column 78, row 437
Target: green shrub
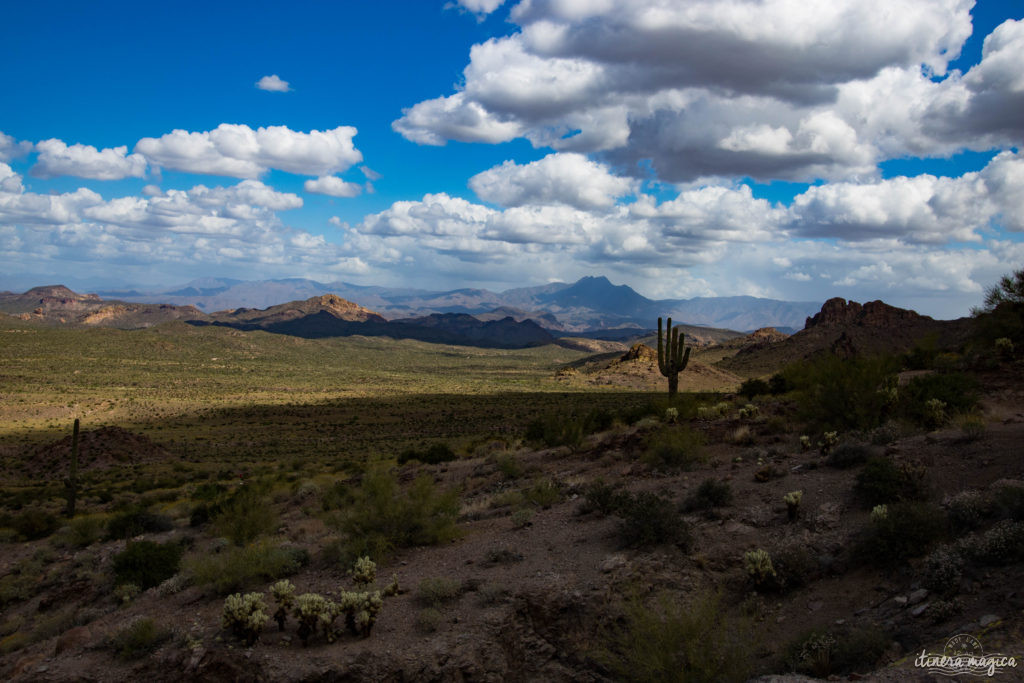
column 236, row 569
column 508, row 466
column 1009, row 502
column 434, row 592
column 920, row 399
column 710, row 494
column 907, row 530
column 432, row 455
column 383, row 517
column 883, row 481
column 673, row 447
column 848, row 455
column 429, row 620
column 34, row 524
column 139, row 639
column 754, row 387
column 556, row 430
column 843, row 394
column 604, row 499
column 679, row 642
column 648, row 519
column 245, row 516
column 135, row 522
column 84, row 530
column 544, row 493
column 841, row 651
column 147, row 564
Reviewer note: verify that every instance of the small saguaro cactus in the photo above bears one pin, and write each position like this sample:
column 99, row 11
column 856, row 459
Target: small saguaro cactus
column 671, row 356
column 71, row 483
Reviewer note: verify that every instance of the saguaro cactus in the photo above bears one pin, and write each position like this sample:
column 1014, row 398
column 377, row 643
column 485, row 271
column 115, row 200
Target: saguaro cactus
column 672, row 360
column 71, row 483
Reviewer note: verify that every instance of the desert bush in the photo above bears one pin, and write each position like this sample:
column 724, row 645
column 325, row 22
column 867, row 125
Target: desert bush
column 754, row 387
column 972, row 427
column 843, row 651
column 794, row 564
column 522, row 518
column 906, row 530
column 382, row 517
column 508, row 466
column 1002, row 544
column 1009, row 502
column 942, row 570
column 884, row 481
column 555, row 430
column 137, row 521
column 429, row 619
column 245, row 516
column 673, row 447
column 928, row 400
column 848, row 455
column 678, row 642
column 602, row 498
column 236, row 569
column 81, row 531
column 967, row 510
column 432, row 455
column 842, row 394
column 34, row 524
column 944, row 610
column 544, row 493
column 437, row 591
column 147, row 564
column 709, row 494
column 245, row 615
column 138, row 639
column 492, row 594
column 648, row 519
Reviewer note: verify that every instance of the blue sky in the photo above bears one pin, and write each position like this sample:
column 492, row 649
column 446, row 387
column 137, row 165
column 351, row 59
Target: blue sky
column 793, row 150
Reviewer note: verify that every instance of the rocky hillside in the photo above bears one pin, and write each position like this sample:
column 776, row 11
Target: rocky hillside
column 60, row 305
column 848, row 328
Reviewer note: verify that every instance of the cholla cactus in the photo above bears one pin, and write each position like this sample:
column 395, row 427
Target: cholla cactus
column 392, row 588
column 935, row 412
column 245, row 615
column 1004, row 345
column 879, row 513
column 829, row 440
column 792, row 501
column 748, row 411
column 364, row 572
column 758, row 564
column 283, row 593
column 671, row 414
column 805, row 443
column 360, row 610
column 308, row 608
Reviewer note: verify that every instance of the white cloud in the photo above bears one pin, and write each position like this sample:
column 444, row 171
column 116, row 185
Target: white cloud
column 565, row 178
column 11, row 148
column 479, row 7
column 10, row 182
column 239, row 151
column 273, row 83
column 797, row 91
column 333, row 186
column 85, row 161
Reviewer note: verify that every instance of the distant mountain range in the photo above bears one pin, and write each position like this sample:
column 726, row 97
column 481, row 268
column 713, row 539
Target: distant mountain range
column 591, row 304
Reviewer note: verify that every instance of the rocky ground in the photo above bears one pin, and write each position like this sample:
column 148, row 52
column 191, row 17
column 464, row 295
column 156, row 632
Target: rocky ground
column 540, row 593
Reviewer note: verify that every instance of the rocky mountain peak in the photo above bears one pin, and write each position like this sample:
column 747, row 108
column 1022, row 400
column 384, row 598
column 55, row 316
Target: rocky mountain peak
column 839, row 311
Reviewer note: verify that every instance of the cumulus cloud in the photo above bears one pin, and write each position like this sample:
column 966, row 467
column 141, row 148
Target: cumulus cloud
column 273, row 83
column 85, row 161
column 11, row 148
column 481, row 8
column 333, row 186
column 239, row 151
column 223, row 227
column 795, row 91
column 566, row 178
